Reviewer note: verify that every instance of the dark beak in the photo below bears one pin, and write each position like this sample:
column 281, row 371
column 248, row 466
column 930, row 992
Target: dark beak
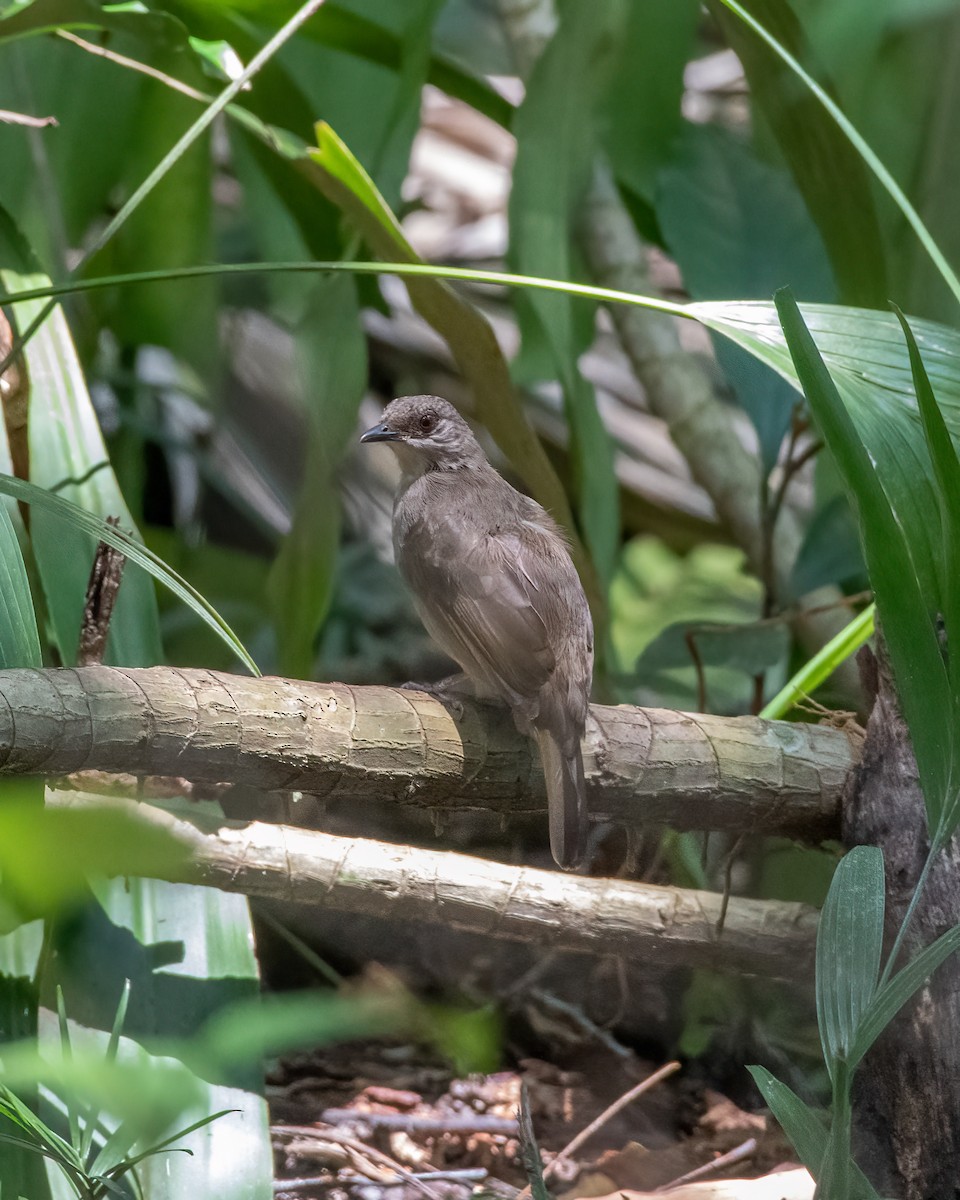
column 380, row 433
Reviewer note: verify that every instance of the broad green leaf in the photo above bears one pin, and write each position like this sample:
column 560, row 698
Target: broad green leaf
column 19, row 641
column 556, row 136
column 849, row 943
column 830, row 552
column 737, row 226
column 906, row 588
column 81, row 519
column 828, row 171
column 640, row 115
column 894, row 994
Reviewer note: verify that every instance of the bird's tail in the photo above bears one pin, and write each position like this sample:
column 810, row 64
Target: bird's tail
column 566, row 800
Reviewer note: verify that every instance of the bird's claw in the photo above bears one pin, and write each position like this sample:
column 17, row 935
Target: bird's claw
column 444, row 690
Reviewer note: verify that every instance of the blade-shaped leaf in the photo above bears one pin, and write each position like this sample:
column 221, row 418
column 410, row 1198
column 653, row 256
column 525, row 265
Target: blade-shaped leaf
column 804, row 1126
column 85, row 521
column 19, row 641
column 556, row 135
column 947, row 470
column 894, row 994
column 333, row 360
column 174, row 986
column 21, row 1171
column 849, row 943
column 828, row 171
column 906, row 586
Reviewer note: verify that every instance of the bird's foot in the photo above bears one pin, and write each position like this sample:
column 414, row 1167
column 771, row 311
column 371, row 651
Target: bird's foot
column 448, row 691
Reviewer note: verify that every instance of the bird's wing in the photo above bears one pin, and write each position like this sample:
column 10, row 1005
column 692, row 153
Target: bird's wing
column 487, row 614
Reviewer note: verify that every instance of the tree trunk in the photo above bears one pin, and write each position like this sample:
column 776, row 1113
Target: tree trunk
column 907, row 1098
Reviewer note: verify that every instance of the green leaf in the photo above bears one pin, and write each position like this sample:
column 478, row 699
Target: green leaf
column 737, row 226
column 947, row 471
column 175, row 985
column 640, row 114
column 868, row 253
column 46, row 16
column 556, row 135
column 65, row 446
column 905, row 584
column 19, row 641
column 819, row 668
column 849, row 943
column 332, row 353
column 172, row 227
column 47, row 854
column 359, row 36
column 85, row 521
column 894, row 994
column 21, row 1171
column 828, row 171
column 804, row 1126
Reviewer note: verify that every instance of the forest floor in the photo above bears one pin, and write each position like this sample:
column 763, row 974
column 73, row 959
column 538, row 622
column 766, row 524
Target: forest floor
column 379, row 1119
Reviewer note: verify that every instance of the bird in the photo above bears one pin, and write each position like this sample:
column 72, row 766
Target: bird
column 494, row 584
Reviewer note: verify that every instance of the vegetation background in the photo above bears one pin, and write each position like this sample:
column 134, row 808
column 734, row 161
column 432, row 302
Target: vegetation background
column 656, row 148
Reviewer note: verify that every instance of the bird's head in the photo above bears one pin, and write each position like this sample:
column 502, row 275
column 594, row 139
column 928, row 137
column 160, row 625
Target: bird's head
column 427, row 434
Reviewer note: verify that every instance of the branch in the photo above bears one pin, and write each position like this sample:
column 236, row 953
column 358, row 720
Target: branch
column 644, row 766
column 662, row 926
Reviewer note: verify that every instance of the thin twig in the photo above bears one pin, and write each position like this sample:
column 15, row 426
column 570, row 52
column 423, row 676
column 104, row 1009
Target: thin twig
column 728, row 882
column 132, row 64
column 14, row 118
column 410, row 1123
column 737, row 1154
column 645, row 1085
column 375, row 1156
column 467, row 1175
column 607, row 1115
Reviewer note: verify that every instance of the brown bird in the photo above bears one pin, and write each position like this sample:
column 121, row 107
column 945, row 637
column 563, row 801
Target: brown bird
column 494, row 585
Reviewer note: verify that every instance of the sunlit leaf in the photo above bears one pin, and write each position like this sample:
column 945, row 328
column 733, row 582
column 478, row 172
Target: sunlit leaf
column 885, row 465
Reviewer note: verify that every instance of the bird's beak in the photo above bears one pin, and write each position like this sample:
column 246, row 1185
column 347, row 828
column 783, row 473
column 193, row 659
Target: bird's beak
column 381, row 433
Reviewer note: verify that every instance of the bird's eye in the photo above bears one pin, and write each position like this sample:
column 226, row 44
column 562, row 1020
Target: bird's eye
column 427, row 422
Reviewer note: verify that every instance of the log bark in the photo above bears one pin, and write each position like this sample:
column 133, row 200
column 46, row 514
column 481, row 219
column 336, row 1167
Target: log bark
column 662, row 927
column 375, row 743
column 907, row 1091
